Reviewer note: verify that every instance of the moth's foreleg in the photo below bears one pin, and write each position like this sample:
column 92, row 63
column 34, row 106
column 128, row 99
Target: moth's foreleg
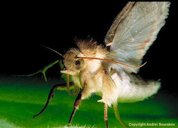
column 50, row 95
column 106, row 115
column 75, row 107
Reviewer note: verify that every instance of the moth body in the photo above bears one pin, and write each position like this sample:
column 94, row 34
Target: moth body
column 95, row 76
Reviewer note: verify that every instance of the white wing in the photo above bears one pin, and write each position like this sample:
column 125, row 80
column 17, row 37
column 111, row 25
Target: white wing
column 133, row 31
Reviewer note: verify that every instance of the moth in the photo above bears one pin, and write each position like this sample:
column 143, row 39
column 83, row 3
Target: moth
column 108, row 70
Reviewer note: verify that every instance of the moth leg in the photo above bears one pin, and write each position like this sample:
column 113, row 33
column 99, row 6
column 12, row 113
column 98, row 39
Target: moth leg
column 51, row 95
column 117, row 115
column 68, row 84
column 43, row 70
column 106, row 115
column 76, row 107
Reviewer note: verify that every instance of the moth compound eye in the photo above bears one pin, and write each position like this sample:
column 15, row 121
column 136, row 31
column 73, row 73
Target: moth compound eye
column 77, row 62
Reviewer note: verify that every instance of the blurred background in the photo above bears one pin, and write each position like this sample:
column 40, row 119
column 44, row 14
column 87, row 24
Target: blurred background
column 25, row 26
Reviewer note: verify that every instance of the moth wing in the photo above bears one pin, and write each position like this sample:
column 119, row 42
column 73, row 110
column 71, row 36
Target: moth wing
column 134, row 30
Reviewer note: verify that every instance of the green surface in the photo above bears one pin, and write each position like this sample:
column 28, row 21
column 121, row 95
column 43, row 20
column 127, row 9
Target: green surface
column 20, row 100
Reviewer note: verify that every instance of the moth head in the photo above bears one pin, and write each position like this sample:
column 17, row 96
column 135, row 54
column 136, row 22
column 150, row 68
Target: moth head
column 72, row 62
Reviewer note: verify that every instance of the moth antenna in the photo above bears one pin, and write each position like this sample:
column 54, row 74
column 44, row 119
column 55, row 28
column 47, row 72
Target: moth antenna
column 114, row 61
column 53, row 50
